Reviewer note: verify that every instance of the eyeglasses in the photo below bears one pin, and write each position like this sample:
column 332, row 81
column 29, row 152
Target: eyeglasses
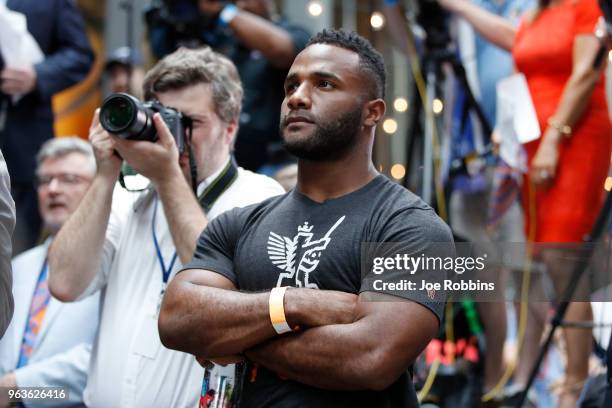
column 66, row 179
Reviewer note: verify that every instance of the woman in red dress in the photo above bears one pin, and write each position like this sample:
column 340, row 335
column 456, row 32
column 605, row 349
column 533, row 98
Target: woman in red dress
column 554, row 47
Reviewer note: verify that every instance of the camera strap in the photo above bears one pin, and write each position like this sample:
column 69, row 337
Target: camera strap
column 218, row 186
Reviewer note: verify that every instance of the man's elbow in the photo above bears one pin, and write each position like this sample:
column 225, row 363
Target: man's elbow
column 59, row 286
column 175, row 335
column 367, row 372
column 381, row 381
column 384, row 367
column 380, row 378
column 185, row 327
column 166, row 324
column 62, row 291
column 171, row 322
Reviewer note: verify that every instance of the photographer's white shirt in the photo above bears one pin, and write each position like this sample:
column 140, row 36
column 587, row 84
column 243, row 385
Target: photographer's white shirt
column 130, row 367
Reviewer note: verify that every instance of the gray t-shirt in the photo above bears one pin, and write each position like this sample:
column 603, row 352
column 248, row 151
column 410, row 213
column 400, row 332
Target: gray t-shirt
column 291, row 240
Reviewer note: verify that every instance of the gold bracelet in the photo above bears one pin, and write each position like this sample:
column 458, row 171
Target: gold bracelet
column 565, row 130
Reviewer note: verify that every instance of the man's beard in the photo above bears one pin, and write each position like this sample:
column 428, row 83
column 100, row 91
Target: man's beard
column 328, row 142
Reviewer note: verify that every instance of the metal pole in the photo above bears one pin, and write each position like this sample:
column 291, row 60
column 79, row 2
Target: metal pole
column 128, row 6
column 430, row 122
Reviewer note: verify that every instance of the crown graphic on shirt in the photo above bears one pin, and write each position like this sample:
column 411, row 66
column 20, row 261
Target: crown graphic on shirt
column 305, row 227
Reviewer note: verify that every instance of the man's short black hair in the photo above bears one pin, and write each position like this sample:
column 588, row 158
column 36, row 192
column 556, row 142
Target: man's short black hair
column 370, row 60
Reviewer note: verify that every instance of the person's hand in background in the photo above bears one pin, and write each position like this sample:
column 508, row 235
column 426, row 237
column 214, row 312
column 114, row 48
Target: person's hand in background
column 546, row 160
column 451, row 5
column 18, row 80
column 210, row 7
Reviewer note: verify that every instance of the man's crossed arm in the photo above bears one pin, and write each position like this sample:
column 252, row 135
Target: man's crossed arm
column 345, row 342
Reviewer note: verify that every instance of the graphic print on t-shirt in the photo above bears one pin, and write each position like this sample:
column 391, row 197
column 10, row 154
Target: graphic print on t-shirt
column 283, row 252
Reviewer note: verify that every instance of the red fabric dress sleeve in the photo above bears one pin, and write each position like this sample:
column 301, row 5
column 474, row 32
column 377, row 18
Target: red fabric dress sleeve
column 520, row 29
column 586, row 14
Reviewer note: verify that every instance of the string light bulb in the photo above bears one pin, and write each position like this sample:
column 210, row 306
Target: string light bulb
column 377, row 20
column 390, row 126
column 398, row 171
column 437, row 106
column 315, row 8
column 400, row 104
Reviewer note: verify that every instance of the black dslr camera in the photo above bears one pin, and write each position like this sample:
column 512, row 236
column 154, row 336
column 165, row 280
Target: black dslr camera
column 128, row 118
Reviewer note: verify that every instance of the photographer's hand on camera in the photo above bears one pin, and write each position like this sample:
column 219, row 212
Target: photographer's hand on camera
column 157, row 161
column 107, row 161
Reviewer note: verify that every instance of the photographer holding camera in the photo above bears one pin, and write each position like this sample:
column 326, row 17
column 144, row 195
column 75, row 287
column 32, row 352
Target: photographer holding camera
column 127, row 244
column 256, row 38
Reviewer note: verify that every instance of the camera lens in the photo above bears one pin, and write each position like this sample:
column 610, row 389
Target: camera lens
column 118, row 113
column 126, row 117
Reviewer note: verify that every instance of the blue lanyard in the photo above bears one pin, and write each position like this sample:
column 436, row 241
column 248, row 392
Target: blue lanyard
column 44, row 272
column 206, row 199
column 160, row 258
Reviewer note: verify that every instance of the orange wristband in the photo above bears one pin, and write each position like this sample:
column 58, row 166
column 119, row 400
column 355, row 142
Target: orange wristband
column 277, row 310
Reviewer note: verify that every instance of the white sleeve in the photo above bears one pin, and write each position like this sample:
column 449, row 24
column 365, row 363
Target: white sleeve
column 7, row 224
column 259, row 188
column 268, row 188
column 121, row 209
column 67, row 370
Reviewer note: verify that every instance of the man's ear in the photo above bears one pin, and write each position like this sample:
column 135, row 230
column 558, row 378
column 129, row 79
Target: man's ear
column 231, row 130
column 374, row 112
